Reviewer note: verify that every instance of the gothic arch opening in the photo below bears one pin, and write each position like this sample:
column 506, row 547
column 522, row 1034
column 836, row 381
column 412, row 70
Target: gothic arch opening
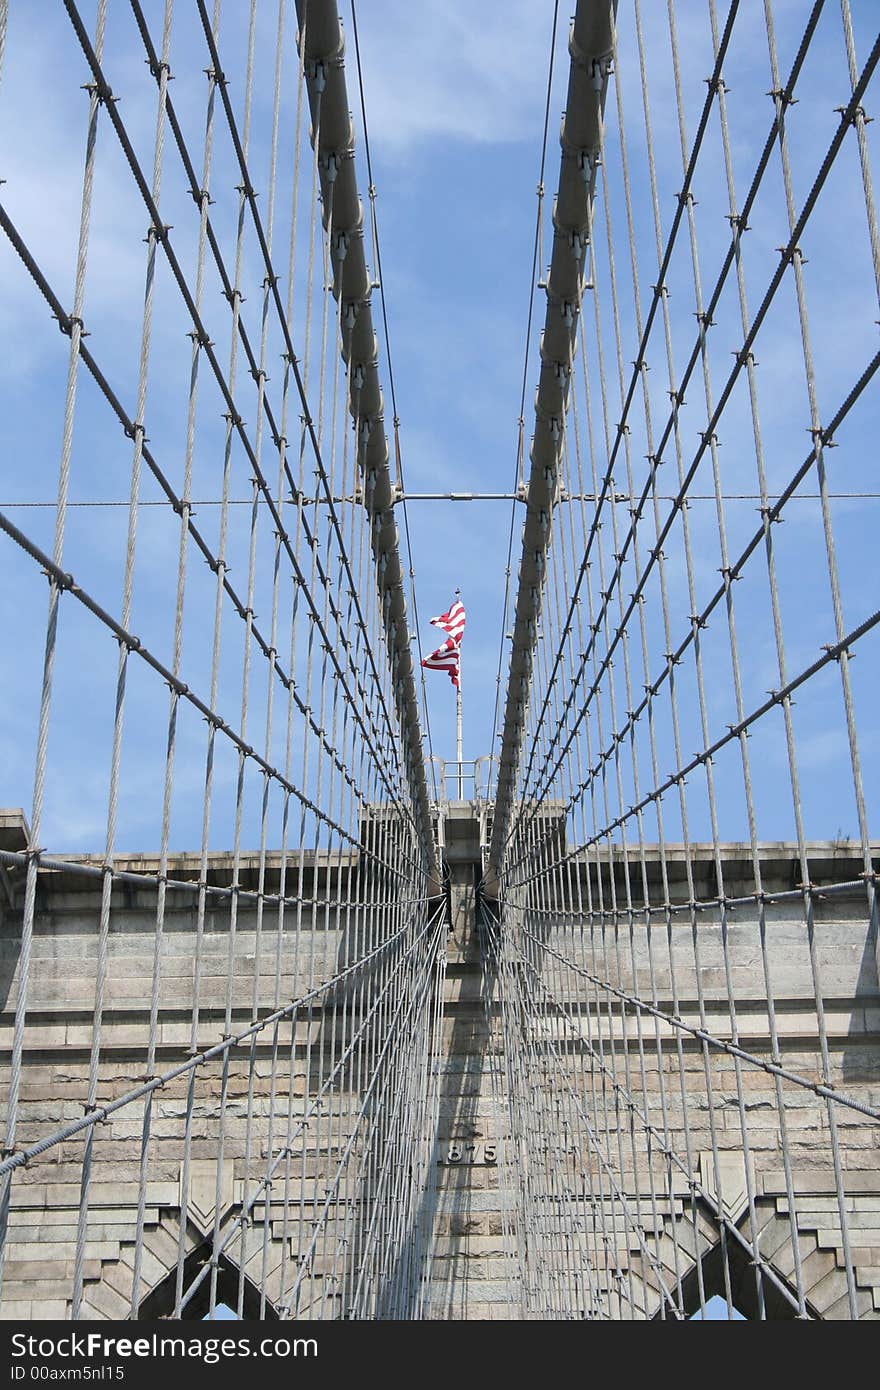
column 743, row 1286
column 159, row 1302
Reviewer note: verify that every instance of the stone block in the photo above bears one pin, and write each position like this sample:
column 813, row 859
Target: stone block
column 19, row 1291
column 51, row 1309
column 17, row 1310
column 102, row 1300
column 459, row 1223
column 841, row 1308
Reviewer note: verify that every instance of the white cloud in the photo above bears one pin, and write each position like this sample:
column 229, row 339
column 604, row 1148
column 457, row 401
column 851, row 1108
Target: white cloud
column 431, row 72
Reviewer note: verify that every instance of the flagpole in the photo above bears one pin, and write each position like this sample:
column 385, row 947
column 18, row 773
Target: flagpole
column 458, row 735
column 458, row 740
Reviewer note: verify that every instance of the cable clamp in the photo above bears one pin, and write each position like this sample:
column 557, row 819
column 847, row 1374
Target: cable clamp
column 716, row 84
column 745, row 357
column 61, row 580
column 103, row 89
column 158, row 231
column 600, row 70
column 822, row 436
column 66, row 324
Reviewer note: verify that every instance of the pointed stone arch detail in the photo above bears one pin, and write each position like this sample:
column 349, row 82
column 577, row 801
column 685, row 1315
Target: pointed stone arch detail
column 159, row 1302
column 107, row 1289
column 823, row 1270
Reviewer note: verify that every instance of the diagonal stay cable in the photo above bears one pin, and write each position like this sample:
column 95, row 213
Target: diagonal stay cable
column 786, row 256
column 605, row 490
column 830, row 653
column 65, row 323
column 387, row 337
column 162, row 234
column 250, row 196
column 278, row 438
column 675, row 1021
column 533, row 285
column 699, row 620
column 101, row 1113
column 67, row 584
column 290, row 356
column 659, row 290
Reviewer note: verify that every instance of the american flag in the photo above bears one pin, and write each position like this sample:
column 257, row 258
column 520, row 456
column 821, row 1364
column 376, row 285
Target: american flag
column 448, row 657
column 452, row 622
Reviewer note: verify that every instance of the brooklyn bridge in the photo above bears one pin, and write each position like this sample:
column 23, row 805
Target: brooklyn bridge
column 302, row 1017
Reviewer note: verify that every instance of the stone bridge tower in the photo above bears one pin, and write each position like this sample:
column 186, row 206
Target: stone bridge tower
column 467, row 1251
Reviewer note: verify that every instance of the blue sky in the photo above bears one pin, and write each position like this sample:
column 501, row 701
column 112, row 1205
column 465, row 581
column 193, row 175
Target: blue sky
column 455, row 97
